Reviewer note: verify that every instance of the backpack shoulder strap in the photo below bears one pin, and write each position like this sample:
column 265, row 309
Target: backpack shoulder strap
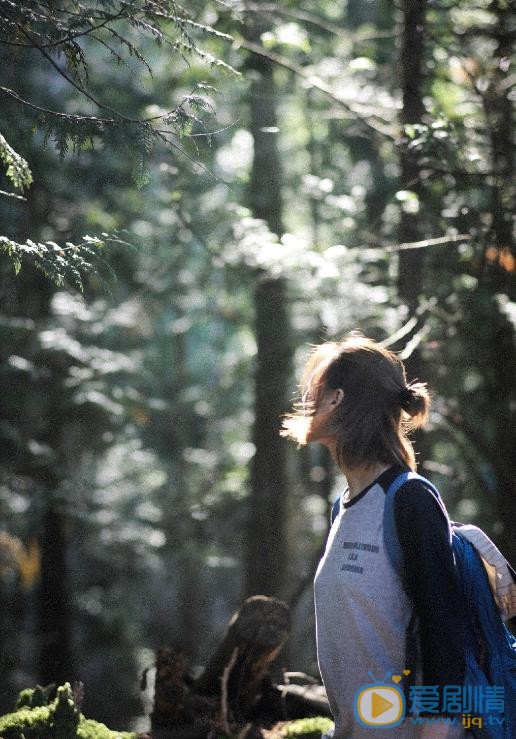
column 390, row 533
column 335, row 509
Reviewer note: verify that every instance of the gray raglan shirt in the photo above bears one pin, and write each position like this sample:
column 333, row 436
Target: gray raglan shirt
column 362, row 613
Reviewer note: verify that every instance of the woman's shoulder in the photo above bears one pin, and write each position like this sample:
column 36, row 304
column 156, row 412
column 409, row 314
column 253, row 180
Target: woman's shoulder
column 418, row 507
column 413, row 484
column 417, row 498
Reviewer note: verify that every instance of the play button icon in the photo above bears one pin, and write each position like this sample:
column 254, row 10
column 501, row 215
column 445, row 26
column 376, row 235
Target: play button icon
column 379, row 705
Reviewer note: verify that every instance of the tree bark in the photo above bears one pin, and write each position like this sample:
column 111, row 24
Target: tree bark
column 54, row 606
column 412, row 74
column 412, row 111
column 505, row 437
column 411, row 264
column 235, row 692
column 255, row 636
column 499, row 114
column 266, row 538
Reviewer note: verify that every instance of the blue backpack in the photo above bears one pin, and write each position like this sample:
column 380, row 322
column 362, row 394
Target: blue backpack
column 490, row 648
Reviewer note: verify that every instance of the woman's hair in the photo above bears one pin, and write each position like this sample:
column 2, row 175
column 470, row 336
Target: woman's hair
column 378, row 408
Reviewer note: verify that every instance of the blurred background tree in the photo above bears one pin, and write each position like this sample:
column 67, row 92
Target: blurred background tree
column 354, row 167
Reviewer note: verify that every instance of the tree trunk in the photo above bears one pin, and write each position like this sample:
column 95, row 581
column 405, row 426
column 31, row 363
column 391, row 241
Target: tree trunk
column 412, row 68
column 54, row 607
column 499, row 114
column 505, row 441
column 267, row 540
column 410, row 265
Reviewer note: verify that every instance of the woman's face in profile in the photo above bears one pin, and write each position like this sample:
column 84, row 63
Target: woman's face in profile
column 319, row 406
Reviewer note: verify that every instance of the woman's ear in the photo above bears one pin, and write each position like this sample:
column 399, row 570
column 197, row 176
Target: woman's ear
column 338, row 397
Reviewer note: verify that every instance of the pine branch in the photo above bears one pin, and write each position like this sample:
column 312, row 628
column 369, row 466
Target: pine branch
column 164, row 134
column 315, row 82
column 206, row 29
column 87, row 32
column 6, row 194
column 69, row 79
column 133, row 51
column 72, row 117
column 18, row 170
column 140, row 18
column 62, row 264
column 440, row 241
column 313, row 19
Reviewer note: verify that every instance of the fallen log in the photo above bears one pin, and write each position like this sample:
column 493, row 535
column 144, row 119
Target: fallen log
column 255, row 637
column 236, row 692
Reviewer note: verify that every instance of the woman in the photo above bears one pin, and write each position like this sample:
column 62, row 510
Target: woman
column 356, row 401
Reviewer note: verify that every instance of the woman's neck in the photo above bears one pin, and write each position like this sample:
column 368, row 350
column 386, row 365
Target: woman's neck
column 359, row 478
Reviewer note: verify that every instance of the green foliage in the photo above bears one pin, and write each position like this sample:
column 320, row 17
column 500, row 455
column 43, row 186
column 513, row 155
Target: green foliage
column 137, row 405
column 38, row 718
column 58, row 719
column 17, row 169
column 308, row 728
column 116, row 26
column 66, row 264
column 34, row 697
column 123, row 31
column 27, row 723
column 67, row 37
column 89, row 729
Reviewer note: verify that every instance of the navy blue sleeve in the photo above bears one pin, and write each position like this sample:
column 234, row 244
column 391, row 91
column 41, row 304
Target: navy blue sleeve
column 431, row 582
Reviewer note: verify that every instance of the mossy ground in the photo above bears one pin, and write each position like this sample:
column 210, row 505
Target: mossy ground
column 36, row 717
column 304, row 728
column 89, row 729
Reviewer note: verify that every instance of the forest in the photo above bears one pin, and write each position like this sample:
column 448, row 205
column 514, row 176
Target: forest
column 190, row 197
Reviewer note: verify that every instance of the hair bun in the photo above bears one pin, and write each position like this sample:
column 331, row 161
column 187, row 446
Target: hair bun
column 415, row 401
column 405, row 397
